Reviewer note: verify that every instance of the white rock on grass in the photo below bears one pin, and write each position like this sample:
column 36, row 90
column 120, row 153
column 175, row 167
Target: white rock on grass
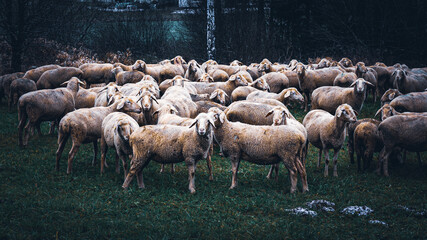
column 359, row 210
column 323, row 205
column 415, row 212
column 378, row 222
column 302, row 211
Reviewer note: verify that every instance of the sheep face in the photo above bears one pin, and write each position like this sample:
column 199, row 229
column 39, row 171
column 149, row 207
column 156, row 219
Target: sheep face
column 264, row 67
column 116, row 70
column 361, row 68
column 346, row 113
column 360, row 86
column 389, row 95
column 236, row 63
column 203, row 123
column 294, row 96
column 261, row 84
column 128, row 105
column 397, row 77
column 178, row 81
column 193, row 66
column 137, row 65
column 178, row 60
column 324, row 63
column 279, row 116
column 386, row 112
column 124, row 130
column 239, row 80
column 346, row 62
column 147, row 99
column 300, row 69
column 293, row 63
column 219, row 96
column 206, row 78
column 217, row 115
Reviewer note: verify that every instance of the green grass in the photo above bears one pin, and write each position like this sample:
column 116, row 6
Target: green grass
column 36, row 202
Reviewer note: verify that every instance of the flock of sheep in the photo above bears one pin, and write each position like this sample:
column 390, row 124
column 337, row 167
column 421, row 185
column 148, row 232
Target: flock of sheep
column 174, row 111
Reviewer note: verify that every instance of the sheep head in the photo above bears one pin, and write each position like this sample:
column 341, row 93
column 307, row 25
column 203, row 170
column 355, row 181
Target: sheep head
column 236, row 63
column 260, row 84
column 279, row 115
column 178, row 81
column 178, row 60
column 203, row 123
column 219, row 96
column 127, row 104
column 293, row 95
column 360, row 85
column 73, row 84
column 217, row 115
column 206, row 78
column 360, row 69
column 389, row 95
column 239, row 80
column 193, row 66
column 147, row 99
column 324, row 63
column 397, row 77
column 143, row 67
column 166, row 109
column 300, row 69
column 116, row 70
column 346, row 62
column 386, row 112
column 346, row 113
column 137, row 65
column 124, row 130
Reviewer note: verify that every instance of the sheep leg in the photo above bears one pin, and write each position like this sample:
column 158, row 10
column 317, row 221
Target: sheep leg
column 140, row 179
column 121, row 157
column 293, row 176
column 319, row 159
column 124, row 163
column 62, row 141
column 21, row 128
column 52, row 127
column 95, row 152
column 235, row 162
column 209, row 162
column 27, row 132
column 380, row 161
column 326, row 162
column 172, row 168
column 419, row 159
column 270, row 172
column 39, row 131
column 191, row 164
column 71, row 155
column 358, row 161
column 104, row 149
column 303, row 175
column 162, row 168
column 335, row 158
column 305, row 101
column 367, row 157
column 276, row 170
column 350, row 146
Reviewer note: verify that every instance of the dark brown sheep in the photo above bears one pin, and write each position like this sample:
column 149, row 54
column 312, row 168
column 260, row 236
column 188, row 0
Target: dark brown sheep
column 55, row 77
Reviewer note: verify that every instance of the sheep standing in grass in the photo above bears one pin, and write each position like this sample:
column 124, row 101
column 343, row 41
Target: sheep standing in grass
column 183, row 144
column 85, row 126
column 367, row 141
column 116, row 130
column 19, row 87
column 326, row 131
column 329, row 98
column 264, row 145
column 45, row 105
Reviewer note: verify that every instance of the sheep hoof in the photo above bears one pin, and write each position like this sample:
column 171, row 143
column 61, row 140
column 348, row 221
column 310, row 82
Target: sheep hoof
column 192, row 190
column 211, row 178
column 335, row 174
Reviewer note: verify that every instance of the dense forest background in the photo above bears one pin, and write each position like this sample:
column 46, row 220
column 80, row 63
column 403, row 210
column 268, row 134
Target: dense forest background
column 36, row 32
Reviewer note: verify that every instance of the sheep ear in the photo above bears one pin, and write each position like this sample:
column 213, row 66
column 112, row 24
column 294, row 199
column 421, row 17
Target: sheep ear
column 355, row 112
column 269, row 113
column 154, row 99
column 213, row 95
column 121, row 104
column 222, row 117
column 174, row 110
column 105, row 88
column 65, row 83
column 194, row 123
column 391, row 96
column 110, row 101
column 339, row 113
column 369, row 84
column 154, row 113
column 287, row 94
column 211, row 122
column 353, row 83
column 378, row 112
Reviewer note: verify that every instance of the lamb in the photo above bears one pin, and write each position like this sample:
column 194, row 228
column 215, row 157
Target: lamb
column 277, row 81
column 194, row 71
column 329, row 98
column 345, row 79
column 241, row 93
column 184, row 144
column 123, row 77
column 389, row 95
column 350, row 131
column 54, row 78
column 115, row 133
column 312, row 79
column 326, row 131
column 286, row 96
column 85, row 126
column 407, row 83
column 19, row 87
column 97, row 72
column 251, row 113
column 34, row 74
column 264, row 145
column 45, row 105
column 404, row 131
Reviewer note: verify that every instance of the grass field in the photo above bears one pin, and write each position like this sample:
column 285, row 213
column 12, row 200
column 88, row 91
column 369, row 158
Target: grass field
column 36, row 202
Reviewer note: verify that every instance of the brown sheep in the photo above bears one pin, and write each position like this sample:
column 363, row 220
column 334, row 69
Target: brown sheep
column 404, row 131
column 292, row 77
column 34, row 74
column 251, row 113
column 369, row 75
column 97, row 72
column 264, row 145
column 19, row 87
column 367, row 141
column 277, row 81
column 85, row 98
column 54, row 78
column 326, row 131
column 135, row 67
column 206, row 78
column 350, row 131
column 236, row 63
column 153, row 71
column 389, row 95
column 232, row 83
column 218, row 75
column 253, row 70
column 286, row 96
column 85, row 126
column 45, row 105
column 346, row 62
column 329, row 98
column 312, row 79
column 407, row 83
column 411, row 102
column 5, row 82
column 169, row 71
column 345, row 79
column 240, row 93
column 123, row 77
column 194, row 71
